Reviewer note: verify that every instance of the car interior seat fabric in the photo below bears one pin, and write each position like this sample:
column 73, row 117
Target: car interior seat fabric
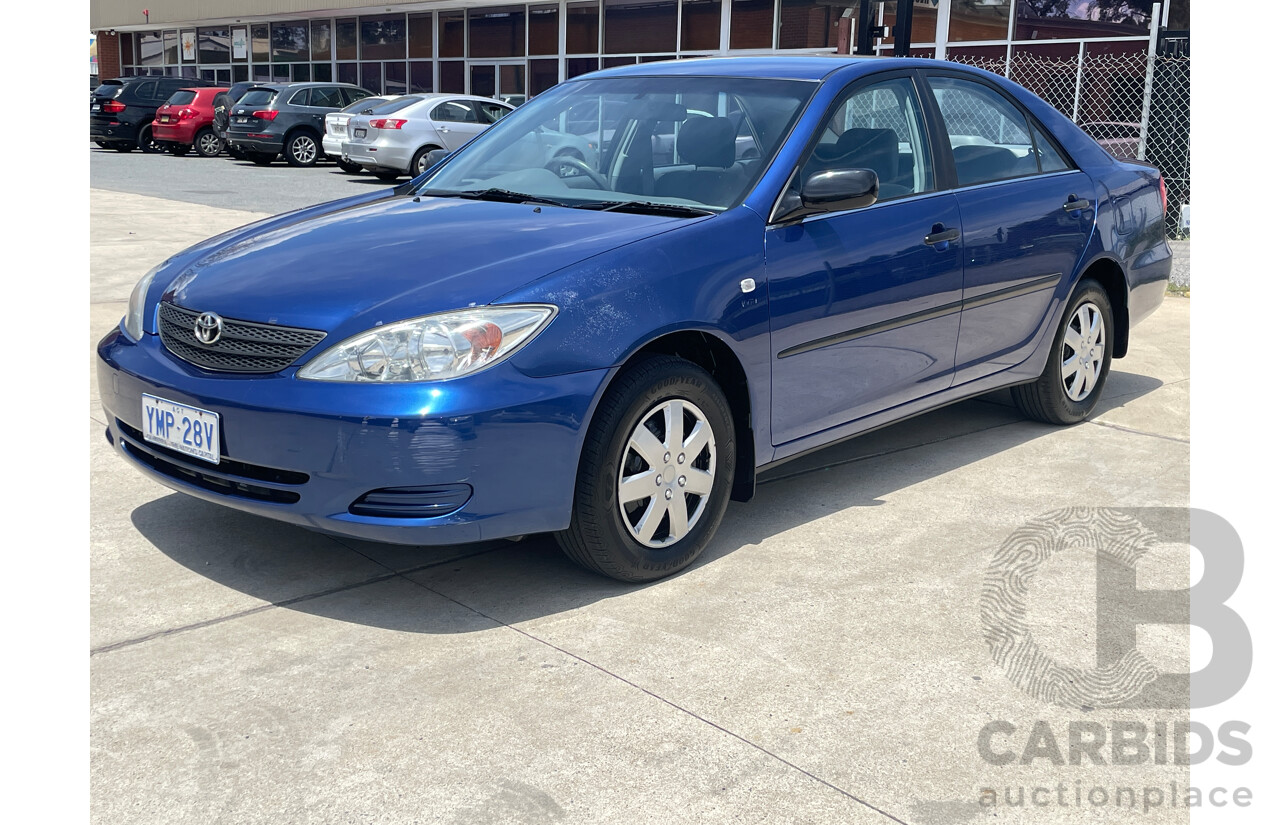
column 709, row 144
column 977, row 163
column 874, row 149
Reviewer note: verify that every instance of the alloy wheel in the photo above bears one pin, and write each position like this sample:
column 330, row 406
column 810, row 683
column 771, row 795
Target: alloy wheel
column 666, row 475
column 1083, row 348
column 208, row 144
column 303, row 150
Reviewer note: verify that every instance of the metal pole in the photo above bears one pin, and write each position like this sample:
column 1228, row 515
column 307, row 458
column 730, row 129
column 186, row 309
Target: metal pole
column 902, row 29
column 864, row 27
column 1075, row 110
column 1151, row 73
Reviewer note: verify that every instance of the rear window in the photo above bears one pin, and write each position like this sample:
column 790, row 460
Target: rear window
column 108, row 89
column 182, row 98
column 365, row 103
column 396, row 105
column 257, row 97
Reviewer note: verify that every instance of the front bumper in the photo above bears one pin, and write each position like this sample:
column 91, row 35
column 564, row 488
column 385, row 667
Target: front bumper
column 514, row 439
column 381, row 154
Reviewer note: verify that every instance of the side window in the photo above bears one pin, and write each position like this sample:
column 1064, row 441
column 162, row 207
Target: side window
column 1050, row 160
column 302, row 97
column 352, row 95
column 146, row 91
column 326, row 97
column 989, row 137
column 491, row 112
column 454, row 111
column 878, row 127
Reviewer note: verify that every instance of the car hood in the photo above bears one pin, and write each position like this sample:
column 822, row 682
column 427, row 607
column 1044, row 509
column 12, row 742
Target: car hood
column 380, row 261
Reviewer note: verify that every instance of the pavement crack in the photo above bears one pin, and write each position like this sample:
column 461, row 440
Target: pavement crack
column 1132, row 431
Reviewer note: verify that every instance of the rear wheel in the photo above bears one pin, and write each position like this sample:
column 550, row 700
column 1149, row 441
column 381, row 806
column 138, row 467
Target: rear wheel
column 148, row 143
column 653, row 481
column 420, row 163
column 301, row 150
column 349, row 167
column 1071, row 384
column 260, row 158
column 207, row 143
column 102, row 144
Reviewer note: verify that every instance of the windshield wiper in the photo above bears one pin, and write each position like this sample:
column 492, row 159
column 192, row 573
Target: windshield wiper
column 499, row 195
column 673, row 210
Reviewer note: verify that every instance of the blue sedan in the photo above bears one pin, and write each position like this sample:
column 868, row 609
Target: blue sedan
column 760, row 256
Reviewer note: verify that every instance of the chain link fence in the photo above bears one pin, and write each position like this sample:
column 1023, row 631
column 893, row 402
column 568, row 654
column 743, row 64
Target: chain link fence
column 1134, row 105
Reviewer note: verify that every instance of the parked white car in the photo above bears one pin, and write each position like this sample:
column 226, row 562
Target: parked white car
column 335, row 129
column 393, row 139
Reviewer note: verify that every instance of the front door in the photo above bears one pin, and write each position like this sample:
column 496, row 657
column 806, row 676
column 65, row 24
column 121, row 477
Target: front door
column 865, row 303
column 497, row 80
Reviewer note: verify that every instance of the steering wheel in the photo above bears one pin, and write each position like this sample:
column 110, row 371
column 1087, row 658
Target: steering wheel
column 559, row 162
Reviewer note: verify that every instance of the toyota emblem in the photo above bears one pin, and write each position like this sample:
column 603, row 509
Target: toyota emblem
column 208, row 328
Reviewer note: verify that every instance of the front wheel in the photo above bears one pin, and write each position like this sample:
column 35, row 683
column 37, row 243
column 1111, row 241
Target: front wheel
column 302, row 150
column 1071, row 384
column 653, row 481
column 147, row 143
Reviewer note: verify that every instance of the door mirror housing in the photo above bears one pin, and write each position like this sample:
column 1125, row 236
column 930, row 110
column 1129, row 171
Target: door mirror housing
column 835, row 190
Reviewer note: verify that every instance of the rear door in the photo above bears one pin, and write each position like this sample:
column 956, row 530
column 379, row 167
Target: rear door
column 1027, row 214
column 457, row 122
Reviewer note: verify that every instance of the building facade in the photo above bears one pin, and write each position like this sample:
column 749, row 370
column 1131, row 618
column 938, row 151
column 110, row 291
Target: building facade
column 498, row 48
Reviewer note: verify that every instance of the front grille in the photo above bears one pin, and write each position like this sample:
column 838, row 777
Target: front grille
column 179, row 467
column 244, row 346
column 412, row 502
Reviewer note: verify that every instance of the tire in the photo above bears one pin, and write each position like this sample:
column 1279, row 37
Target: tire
column 207, row 144
column 416, row 166
column 260, row 158
column 349, row 167
column 609, row 538
column 148, row 144
column 102, row 144
column 1073, row 379
column 386, row 174
column 122, row 147
column 179, row 149
column 302, row 150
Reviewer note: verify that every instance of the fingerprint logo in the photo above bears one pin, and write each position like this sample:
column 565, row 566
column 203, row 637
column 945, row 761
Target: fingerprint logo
column 1116, row 537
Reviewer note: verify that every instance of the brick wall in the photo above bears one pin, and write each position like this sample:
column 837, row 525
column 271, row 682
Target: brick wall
column 108, row 55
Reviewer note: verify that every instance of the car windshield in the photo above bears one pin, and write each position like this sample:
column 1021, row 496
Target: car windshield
column 679, row 145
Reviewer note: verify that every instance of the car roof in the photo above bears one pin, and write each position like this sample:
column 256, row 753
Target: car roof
column 275, row 87
column 782, row 67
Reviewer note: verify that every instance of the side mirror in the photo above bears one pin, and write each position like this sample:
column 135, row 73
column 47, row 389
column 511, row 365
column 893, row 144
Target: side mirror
column 835, row 190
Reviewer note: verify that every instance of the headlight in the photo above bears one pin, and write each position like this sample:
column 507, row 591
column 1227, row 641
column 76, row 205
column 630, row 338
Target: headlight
column 434, row 347
column 138, row 305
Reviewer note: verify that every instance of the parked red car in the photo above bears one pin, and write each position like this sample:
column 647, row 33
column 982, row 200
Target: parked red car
column 186, row 120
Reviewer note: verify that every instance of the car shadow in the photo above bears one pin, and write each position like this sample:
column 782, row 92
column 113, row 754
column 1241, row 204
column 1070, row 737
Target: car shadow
column 529, row 579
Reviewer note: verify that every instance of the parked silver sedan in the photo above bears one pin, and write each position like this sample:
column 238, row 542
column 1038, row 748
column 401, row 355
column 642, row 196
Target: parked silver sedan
column 393, row 139
column 335, row 129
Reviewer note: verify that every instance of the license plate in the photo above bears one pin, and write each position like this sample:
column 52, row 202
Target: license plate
column 240, row 119
column 360, row 132
column 164, row 118
column 97, row 107
column 189, row 430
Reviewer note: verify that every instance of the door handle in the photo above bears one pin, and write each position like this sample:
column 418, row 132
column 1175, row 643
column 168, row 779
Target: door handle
column 1075, row 205
column 942, row 236
column 442, row 129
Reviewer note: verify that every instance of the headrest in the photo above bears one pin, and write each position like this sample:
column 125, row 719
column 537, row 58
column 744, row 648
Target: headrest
column 707, row 141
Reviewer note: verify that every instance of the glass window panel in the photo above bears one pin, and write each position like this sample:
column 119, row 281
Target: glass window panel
column 989, row 138
column 496, row 32
column 260, row 36
column 639, row 26
column 751, row 24
column 396, row 78
column 371, row 77
column 575, row 66
column 280, row 72
column 127, row 55
column 582, row 28
column 214, row 45
column 511, row 79
column 420, row 35
column 190, row 71
column 610, row 62
column 1053, row 19
column 346, row 39
column 349, row 73
column 301, row 72
column 453, row 43
column 979, row 20
column 700, row 25
column 382, row 38
column 321, row 40
column 171, row 48
column 239, row 74
column 453, row 76
column 420, row 79
column 543, row 74
column 150, row 49
column 924, row 21
column 207, row 75
column 806, row 24
column 1050, row 160
column 261, row 72
column 289, row 42
column 322, row 72
column 484, row 80
column 544, row 30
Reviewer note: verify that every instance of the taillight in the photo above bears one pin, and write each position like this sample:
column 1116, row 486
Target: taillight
column 113, row 106
column 387, row 123
column 186, row 114
column 1164, row 197
column 266, row 114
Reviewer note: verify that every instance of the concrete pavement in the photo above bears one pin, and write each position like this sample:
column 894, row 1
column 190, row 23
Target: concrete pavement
column 823, row 662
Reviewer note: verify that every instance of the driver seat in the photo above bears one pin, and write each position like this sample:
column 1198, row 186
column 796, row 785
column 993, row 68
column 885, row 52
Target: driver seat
column 709, row 143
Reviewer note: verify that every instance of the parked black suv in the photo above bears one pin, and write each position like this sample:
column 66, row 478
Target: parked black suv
column 273, row 118
column 222, row 104
column 121, row 110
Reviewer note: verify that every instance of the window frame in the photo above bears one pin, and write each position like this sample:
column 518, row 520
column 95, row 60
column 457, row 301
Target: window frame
column 944, row 136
